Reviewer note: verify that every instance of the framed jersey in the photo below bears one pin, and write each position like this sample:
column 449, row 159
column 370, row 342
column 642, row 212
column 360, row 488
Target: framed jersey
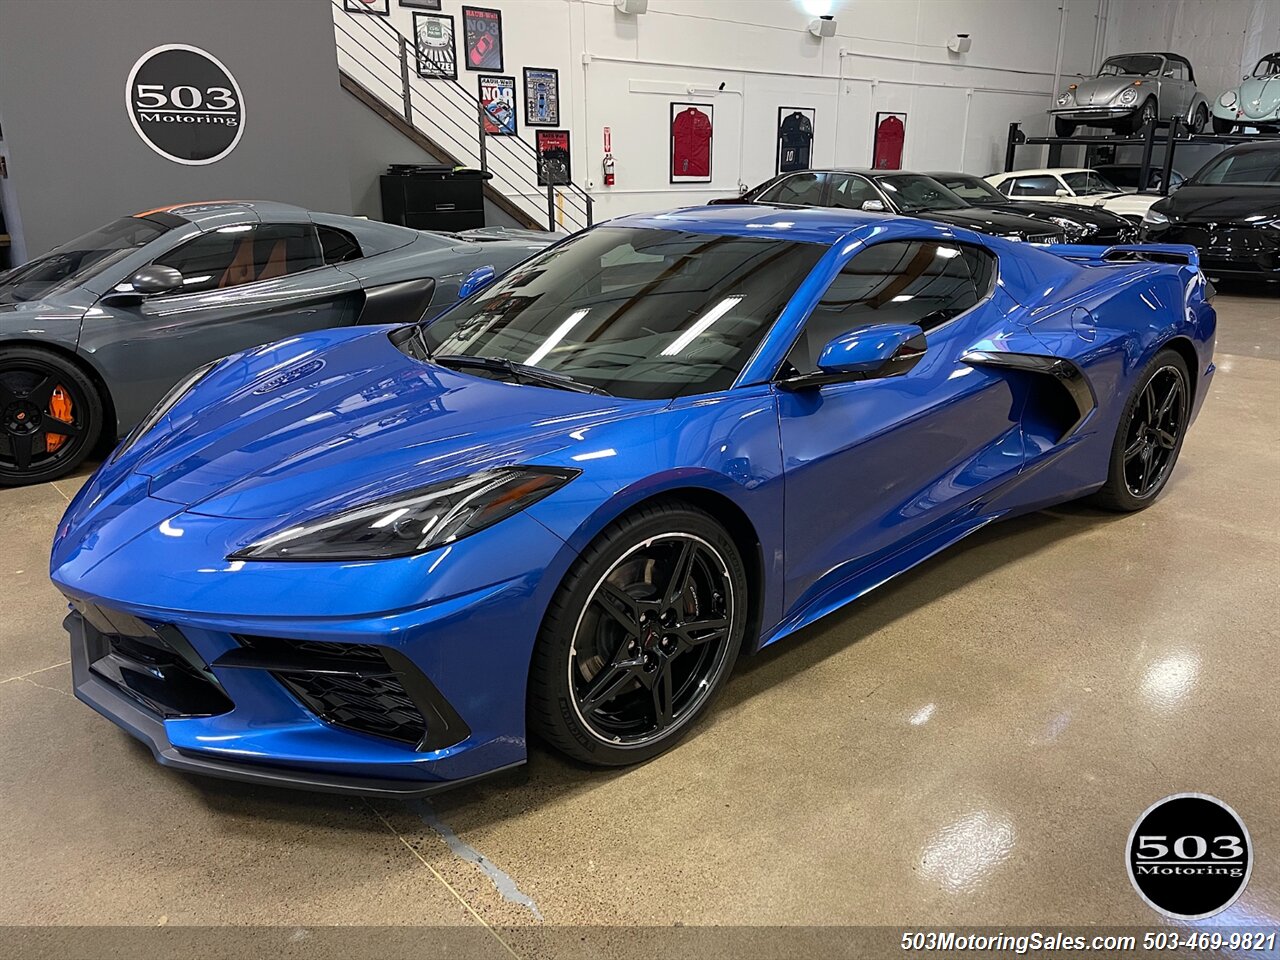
column 795, row 138
column 891, row 136
column 691, row 138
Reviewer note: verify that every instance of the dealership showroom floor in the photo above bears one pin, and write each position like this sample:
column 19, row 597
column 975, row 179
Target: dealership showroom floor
column 970, row 744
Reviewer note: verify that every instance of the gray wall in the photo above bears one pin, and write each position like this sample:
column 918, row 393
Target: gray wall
column 374, row 145
column 75, row 161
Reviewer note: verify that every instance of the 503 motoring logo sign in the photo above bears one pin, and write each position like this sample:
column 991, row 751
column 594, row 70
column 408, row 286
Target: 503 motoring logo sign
column 1189, row 856
column 185, row 105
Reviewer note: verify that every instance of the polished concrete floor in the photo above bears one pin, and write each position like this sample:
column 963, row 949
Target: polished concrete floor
column 969, row 745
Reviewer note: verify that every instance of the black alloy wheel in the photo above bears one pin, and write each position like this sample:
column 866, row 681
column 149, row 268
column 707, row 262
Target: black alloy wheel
column 1150, row 435
column 640, row 638
column 50, row 416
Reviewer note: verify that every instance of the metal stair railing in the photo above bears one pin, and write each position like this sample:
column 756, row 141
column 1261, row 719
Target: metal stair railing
column 377, row 55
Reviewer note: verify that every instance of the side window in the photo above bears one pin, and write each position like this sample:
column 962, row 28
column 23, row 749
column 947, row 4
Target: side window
column 337, row 245
column 233, row 256
column 803, row 188
column 917, row 281
column 1034, row 187
column 849, row 192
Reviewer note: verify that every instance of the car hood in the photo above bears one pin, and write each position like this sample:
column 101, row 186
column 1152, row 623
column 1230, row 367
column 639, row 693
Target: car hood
column 1223, row 203
column 1077, row 212
column 1259, row 96
column 1100, row 90
column 997, row 222
column 331, row 420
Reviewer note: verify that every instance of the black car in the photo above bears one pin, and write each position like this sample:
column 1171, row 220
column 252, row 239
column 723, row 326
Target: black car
column 895, row 191
column 1082, row 224
column 1229, row 210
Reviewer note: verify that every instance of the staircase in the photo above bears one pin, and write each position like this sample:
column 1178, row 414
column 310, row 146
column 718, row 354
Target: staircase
column 378, row 66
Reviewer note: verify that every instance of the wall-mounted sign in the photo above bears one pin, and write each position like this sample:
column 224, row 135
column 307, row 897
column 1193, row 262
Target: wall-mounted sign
column 482, row 38
column 433, row 40
column 541, row 97
column 553, row 157
column 498, row 98
column 185, row 104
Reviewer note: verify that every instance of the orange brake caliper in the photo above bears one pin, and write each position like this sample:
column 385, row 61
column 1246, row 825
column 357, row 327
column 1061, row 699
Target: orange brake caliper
column 59, row 409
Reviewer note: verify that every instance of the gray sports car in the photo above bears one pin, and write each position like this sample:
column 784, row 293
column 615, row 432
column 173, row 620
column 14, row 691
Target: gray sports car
column 95, row 332
column 1131, row 91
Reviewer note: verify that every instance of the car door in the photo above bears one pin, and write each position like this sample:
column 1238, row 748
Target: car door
column 1175, row 90
column 874, row 465
column 242, row 285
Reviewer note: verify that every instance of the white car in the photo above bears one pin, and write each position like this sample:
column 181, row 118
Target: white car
column 1075, row 185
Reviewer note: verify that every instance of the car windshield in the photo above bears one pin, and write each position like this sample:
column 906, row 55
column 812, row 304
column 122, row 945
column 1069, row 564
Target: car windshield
column 73, row 263
column 913, row 193
column 1268, row 66
column 1248, row 168
column 1085, row 183
column 973, row 189
column 1134, row 65
column 635, row 312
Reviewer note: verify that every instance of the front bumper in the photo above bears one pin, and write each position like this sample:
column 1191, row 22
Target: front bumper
column 1092, row 114
column 1226, row 250
column 107, row 699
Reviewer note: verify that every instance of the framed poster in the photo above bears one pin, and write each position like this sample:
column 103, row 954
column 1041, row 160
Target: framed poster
column 498, row 99
column 795, row 138
column 541, row 97
column 379, row 8
column 891, row 134
column 421, row 4
column 691, row 131
column 553, row 157
column 433, row 45
column 482, row 38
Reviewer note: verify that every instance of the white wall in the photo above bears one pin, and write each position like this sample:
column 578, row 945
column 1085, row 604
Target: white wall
column 623, row 71
column 1223, row 39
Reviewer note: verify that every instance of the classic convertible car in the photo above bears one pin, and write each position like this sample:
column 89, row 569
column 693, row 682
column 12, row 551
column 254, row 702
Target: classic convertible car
column 1130, row 92
column 1230, row 211
column 366, row 559
column 1255, row 103
column 93, row 333
column 1077, row 186
column 895, row 191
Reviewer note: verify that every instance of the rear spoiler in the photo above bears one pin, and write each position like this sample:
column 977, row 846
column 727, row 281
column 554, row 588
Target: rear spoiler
column 1175, row 253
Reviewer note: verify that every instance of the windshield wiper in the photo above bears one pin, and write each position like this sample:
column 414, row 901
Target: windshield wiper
column 520, row 373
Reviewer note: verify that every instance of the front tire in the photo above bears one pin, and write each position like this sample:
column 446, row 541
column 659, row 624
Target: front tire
column 1149, row 437
column 640, row 637
column 1222, row 126
column 1147, row 114
column 1063, row 127
column 50, row 416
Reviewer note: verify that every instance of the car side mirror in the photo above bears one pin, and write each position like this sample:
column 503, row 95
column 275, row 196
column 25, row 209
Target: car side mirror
column 1061, row 192
column 873, row 206
column 878, row 350
column 477, row 279
column 148, row 282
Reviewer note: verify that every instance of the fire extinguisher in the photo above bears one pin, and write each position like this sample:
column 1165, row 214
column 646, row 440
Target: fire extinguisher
column 608, row 158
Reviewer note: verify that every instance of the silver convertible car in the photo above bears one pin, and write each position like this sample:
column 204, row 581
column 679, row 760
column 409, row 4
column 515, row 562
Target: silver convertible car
column 1131, row 91
column 95, row 332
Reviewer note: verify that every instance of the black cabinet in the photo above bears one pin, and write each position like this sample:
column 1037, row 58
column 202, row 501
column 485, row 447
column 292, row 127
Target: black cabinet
column 428, row 198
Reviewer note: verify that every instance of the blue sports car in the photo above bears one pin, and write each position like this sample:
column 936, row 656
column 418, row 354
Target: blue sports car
column 375, row 559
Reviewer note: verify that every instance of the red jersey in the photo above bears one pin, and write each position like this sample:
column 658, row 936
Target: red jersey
column 691, row 144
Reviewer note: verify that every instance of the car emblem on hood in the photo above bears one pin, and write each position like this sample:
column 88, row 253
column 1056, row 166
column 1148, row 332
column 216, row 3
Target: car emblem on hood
column 289, row 376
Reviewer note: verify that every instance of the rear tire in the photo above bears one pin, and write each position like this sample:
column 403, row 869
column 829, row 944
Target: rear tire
column 50, row 416
column 1064, row 128
column 1149, row 436
column 640, row 637
column 1200, row 119
column 1221, row 126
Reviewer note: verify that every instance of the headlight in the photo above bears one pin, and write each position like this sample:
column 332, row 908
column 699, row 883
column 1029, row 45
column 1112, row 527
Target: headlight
column 1064, row 99
column 1128, row 95
column 1228, row 99
column 1154, row 217
column 166, row 404
column 415, row 521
